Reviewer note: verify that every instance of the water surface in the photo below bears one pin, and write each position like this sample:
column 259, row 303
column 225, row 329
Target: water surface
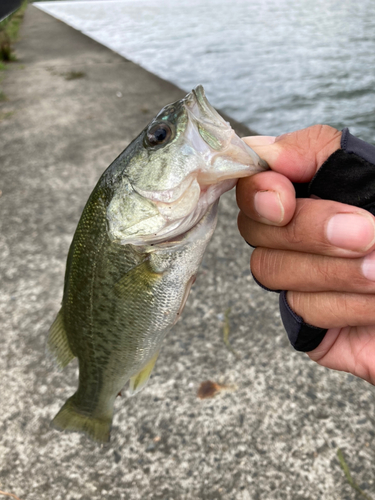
column 276, row 65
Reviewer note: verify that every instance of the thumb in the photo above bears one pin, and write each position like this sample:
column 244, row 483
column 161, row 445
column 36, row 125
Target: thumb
column 300, row 154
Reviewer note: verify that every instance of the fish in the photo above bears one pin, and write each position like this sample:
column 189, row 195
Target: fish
column 136, row 252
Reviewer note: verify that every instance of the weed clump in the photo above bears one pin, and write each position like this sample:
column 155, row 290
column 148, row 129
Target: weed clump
column 9, row 28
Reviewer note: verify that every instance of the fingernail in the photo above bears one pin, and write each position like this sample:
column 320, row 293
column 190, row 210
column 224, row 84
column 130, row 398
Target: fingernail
column 260, row 140
column 268, row 206
column 351, row 231
column 368, row 266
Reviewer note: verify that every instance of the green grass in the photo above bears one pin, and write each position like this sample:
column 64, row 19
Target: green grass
column 349, row 478
column 9, row 29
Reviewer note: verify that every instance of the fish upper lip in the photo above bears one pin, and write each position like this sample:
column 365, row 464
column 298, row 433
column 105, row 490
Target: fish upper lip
column 209, row 114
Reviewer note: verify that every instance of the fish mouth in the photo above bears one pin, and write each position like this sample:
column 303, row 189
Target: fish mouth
column 226, row 155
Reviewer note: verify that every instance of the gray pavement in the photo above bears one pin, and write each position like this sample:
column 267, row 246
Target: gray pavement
column 272, row 435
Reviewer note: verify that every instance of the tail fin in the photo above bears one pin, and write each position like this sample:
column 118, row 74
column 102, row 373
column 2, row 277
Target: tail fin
column 70, row 419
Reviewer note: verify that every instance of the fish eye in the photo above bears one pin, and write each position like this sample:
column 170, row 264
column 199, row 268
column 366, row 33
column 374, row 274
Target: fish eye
column 158, row 134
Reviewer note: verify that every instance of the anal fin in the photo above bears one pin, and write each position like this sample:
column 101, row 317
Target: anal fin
column 139, row 381
column 58, row 343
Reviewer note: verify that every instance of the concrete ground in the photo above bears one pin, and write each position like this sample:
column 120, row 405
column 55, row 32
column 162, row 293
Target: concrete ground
column 72, row 106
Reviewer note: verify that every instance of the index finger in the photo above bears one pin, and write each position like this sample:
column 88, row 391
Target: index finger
column 298, row 155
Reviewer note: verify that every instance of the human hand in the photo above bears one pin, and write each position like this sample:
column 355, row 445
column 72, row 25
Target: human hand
column 321, row 251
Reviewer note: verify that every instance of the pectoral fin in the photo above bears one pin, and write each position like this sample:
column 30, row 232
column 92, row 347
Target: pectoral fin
column 58, row 343
column 138, row 381
column 140, row 277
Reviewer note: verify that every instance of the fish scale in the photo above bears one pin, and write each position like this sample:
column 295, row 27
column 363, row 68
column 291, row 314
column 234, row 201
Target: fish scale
column 132, row 262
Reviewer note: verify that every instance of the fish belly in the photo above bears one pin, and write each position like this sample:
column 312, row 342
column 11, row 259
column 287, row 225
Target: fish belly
column 115, row 323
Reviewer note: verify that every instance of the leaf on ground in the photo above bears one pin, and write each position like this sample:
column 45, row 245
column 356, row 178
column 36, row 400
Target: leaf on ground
column 208, row 389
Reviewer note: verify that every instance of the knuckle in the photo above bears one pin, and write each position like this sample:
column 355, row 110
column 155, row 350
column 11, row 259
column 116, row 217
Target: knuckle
column 320, row 130
column 326, row 138
column 319, row 139
column 266, row 266
column 294, row 232
column 337, row 306
column 321, row 134
column 242, row 223
column 309, row 306
column 295, row 302
column 356, row 306
column 305, row 228
column 249, row 229
column 258, row 264
column 325, row 271
column 333, row 309
column 347, row 305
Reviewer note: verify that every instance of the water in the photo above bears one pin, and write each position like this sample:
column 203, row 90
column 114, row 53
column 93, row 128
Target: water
column 276, row 65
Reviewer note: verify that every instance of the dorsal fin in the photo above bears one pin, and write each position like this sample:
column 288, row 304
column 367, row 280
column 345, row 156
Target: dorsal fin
column 58, row 343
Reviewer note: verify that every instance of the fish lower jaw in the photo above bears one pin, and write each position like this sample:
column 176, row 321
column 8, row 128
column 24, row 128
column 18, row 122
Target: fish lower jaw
column 175, row 231
column 202, row 229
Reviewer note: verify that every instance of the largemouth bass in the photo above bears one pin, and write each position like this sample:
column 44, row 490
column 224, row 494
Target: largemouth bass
column 136, row 251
